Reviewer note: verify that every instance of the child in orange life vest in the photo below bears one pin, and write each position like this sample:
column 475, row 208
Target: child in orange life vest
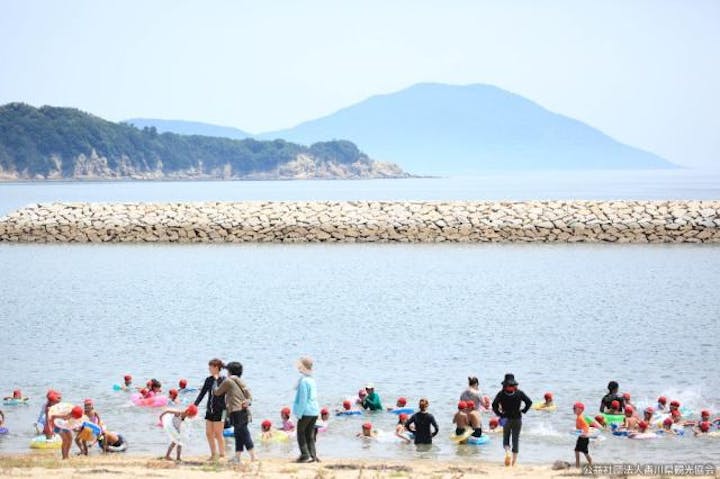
column 583, row 439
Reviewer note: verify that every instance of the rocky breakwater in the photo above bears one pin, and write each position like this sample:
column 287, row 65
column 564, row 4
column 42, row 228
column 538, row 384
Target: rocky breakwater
column 361, row 221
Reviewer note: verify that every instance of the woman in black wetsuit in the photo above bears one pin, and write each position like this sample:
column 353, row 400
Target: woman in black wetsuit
column 507, row 406
column 421, row 422
column 214, row 419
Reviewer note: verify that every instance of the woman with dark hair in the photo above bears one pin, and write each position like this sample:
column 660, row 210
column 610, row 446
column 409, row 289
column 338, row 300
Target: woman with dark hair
column 237, row 403
column 472, row 393
column 507, row 406
column 215, row 409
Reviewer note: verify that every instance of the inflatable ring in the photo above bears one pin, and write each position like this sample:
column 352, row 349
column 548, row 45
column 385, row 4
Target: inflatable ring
column 15, row 402
column 42, row 442
column 121, row 448
column 613, row 418
column 543, row 407
column 70, row 424
column 229, row 432
column 277, row 436
column 152, row 401
column 478, row 441
column 644, row 435
column 458, row 439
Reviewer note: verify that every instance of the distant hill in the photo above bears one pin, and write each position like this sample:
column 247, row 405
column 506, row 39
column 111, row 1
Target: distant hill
column 65, row 143
column 443, row 129
column 189, row 128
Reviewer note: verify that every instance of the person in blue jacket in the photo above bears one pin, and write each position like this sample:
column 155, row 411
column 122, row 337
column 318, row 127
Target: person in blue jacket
column 306, row 409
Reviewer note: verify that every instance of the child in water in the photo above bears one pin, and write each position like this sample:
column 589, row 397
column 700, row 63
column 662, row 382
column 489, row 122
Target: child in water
column 155, row 388
column 346, row 409
column 422, row 424
column 84, row 434
column 66, row 434
column 53, row 398
column 494, row 425
column 630, row 423
column 177, row 422
column 627, row 397
column 367, row 431
column 583, row 440
column 322, row 422
column 287, row 424
column 173, row 396
column 267, row 432
column 703, row 427
column 675, row 406
column 548, row 396
column 485, row 404
column 127, row 383
column 361, row 396
column 661, row 403
column 641, row 429
column 614, row 408
column 400, row 430
column 474, row 419
column 182, row 386
column 460, row 419
column 110, row 439
column 16, row 395
column 400, row 404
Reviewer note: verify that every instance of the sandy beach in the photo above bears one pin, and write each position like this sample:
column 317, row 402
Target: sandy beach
column 41, row 466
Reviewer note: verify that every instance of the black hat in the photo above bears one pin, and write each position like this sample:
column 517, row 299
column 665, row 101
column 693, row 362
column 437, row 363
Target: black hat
column 509, row 380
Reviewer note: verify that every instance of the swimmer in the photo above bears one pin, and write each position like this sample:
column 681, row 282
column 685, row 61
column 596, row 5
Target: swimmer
column 346, row 408
column 703, row 427
column 648, row 414
column 661, row 403
column 675, row 406
column 628, row 402
column 667, row 426
column 548, row 401
column 287, row 424
column 127, row 383
column 362, row 394
column 177, row 422
column 110, row 439
column 182, row 386
column 367, row 431
column 474, row 419
column 600, row 421
column 494, row 425
column 267, row 432
column 85, row 435
column 460, row 419
column 583, row 440
column 323, row 421
column 173, row 396
column 642, row 427
column 400, row 429
column 399, row 404
column 631, row 421
column 17, row 395
column 155, row 388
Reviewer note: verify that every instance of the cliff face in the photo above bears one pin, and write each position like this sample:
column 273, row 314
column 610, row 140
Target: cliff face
column 59, row 143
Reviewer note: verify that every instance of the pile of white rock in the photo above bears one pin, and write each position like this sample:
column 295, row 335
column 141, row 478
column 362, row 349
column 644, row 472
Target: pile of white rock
column 367, row 221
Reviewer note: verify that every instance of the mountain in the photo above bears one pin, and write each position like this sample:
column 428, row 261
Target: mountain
column 65, row 143
column 189, row 128
column 444, row 129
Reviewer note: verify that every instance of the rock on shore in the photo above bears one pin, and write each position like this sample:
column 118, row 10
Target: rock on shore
column 367, row 221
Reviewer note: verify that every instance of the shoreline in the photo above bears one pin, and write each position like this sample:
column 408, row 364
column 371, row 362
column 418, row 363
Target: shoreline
column 36, row 466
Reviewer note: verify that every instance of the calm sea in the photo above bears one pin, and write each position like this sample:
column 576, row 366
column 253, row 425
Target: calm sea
column 414, row 319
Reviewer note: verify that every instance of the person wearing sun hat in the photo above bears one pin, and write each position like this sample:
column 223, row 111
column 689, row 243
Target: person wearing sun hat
column 372, row 400
column 507, row 405
column 307, row 409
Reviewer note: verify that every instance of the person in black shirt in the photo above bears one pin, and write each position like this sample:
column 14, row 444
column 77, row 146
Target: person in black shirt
column 507, row 405
column 215, row 409
column 421, row 422
column 611, row 396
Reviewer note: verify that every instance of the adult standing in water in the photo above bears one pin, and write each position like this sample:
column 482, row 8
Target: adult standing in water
column 214, row 420
column 306, row 409
column 611, row 396
column 507, row 405
column 472, row 393
column 237, row 403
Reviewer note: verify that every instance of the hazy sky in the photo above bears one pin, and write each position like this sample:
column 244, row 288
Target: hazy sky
column 645, row 72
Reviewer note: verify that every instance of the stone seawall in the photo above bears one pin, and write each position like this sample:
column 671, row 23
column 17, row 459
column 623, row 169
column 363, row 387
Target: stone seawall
column 362, row 221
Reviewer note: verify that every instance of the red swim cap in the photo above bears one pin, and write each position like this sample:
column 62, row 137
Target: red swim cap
column 675, row 403
column 494, row 421
column 266, row 424
column 600, row 419
column 182, row 383
column 403, row 417
column 144, row 392
column 642, row 425
column 461, row 405
column 127, row 378
column 615, row 404
column 172, row 393
column 362, row 393
column 367, row 425
column 324, row 411
column 76, row 412
column 626, row 396
column 667, row 422
column 402, row 401
column 662, row 400
column 347, row 405
column 705, row 413
column 705, row 426
column 17, row 394
column 649, row 410
column 53, row 396
column 191, row 410
column 675, row 413
column 548, row 396
column 579, row 405
column 285, row 411
column 88, row 402
column 628, row 410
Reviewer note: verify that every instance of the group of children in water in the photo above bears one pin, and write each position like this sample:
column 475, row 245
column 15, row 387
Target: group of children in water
column 618, row 414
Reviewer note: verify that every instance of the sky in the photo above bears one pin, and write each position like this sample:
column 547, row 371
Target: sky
column 646, row 72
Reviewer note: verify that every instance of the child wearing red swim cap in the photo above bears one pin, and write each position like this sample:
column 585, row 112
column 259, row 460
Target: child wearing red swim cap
column 287, row 424
column 177, row 423
column 461, row 421
column 583, row 440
